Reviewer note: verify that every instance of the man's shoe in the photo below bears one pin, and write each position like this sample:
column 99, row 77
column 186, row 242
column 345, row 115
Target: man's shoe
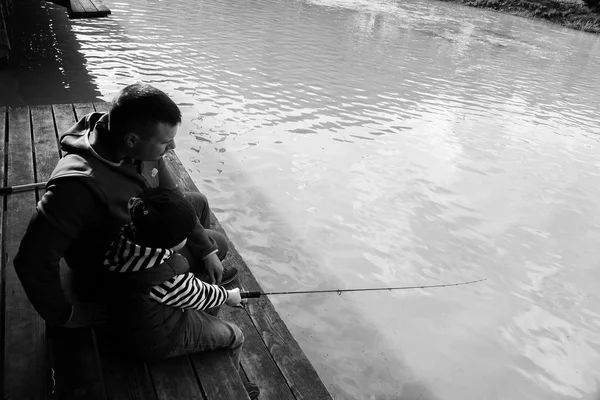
column 229, row 274
column 252, row 389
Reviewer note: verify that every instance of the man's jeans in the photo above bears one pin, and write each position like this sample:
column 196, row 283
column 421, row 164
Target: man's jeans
column 203, row 211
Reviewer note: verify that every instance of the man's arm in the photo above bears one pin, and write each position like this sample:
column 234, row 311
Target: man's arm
column 164, row 176
column 67, row 209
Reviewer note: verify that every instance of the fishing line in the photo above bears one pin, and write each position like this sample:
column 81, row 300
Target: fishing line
column 246, row 295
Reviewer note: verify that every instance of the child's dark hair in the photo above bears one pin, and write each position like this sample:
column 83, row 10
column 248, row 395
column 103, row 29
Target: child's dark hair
column 161, row 217
column 139, row 104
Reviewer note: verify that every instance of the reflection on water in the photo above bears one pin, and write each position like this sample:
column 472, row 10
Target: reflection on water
column 354, row 143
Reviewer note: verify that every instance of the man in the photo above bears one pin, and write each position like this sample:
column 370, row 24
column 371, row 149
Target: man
column 108, row 158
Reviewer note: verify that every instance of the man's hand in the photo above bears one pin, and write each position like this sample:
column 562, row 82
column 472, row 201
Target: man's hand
column 214, row 269
column 87, row 314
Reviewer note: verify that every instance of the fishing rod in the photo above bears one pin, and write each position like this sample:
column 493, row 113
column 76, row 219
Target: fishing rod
column 246, row 295
column 21, row 188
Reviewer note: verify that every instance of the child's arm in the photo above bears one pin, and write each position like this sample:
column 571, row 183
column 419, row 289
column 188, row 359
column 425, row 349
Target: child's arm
column 187, row 291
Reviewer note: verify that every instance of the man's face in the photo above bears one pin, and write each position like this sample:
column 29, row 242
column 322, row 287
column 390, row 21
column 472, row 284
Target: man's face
column 151, row 143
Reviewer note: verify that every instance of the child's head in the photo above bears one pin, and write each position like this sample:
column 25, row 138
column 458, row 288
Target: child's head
column 161, row 218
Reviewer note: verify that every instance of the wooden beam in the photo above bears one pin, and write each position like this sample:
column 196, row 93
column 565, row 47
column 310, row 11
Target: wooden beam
column 174, row 378
column 25, row 332
column 83, row 109
column 44, row 142
column 101, row 7
column 256, row 361
column 218, row 376
column 3, row 265
column 76, row 9
column 78, row 373
column 102, row 107
column 124, row 378
column 64, row 118
column 87, row 9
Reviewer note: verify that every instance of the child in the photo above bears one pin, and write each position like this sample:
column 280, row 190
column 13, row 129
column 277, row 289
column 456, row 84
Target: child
column 156, row 305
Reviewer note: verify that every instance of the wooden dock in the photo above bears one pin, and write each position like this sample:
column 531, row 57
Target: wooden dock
column 42, row 363
column 87, row 9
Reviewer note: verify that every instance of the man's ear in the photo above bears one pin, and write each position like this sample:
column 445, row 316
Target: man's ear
column 131, row 139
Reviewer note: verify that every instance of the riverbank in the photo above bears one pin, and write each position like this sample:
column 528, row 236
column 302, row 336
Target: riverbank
column 572, row 14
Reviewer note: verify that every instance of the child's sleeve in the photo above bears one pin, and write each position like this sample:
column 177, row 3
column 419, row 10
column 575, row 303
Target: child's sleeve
column 187, row 291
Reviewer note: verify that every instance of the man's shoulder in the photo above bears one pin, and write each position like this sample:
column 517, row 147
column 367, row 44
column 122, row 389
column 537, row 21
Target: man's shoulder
column 73, row 164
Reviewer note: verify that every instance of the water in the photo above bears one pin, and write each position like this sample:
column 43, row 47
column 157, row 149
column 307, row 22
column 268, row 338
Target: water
column 349, row 143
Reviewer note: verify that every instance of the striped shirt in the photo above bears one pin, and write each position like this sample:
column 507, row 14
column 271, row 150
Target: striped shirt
column 181, row 291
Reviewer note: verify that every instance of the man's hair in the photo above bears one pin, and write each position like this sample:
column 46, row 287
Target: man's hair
column 139, row 104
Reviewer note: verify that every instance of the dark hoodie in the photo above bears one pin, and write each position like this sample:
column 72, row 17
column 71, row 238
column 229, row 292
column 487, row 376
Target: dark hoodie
column 83, row 209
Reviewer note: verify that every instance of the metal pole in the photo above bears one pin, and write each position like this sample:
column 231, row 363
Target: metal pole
column 21, row 188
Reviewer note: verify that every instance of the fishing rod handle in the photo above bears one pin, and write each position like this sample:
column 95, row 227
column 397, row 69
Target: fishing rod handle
column 246, row 295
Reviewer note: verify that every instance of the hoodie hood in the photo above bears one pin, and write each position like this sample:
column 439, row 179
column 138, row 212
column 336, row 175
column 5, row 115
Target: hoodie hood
column 75, row 140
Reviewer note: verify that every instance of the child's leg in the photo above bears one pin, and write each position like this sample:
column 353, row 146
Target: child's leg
column 203, row 332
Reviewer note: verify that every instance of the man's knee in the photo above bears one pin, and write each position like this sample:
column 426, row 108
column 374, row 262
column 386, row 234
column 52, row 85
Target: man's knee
column 200, row 203
column 222, row 245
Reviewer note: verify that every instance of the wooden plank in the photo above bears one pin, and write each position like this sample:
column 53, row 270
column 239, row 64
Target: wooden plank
column 64, row 117
column 83, row 109
column 87, row 9
column 25, row 332
column 102, row 107
column 174, row 378
column 3, row 121
column 76, row 9
column 124, row 378
column 3, row 131
column 256, row 360
column 219, row 378
column 90, row 8
column 44, row 142
column 103, row 10
column 77, row 368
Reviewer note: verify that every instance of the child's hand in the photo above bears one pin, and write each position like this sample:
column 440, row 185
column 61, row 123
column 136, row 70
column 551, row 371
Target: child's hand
column 234, row 299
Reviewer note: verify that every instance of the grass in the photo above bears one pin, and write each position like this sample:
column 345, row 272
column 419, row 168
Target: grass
column 569, row 13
